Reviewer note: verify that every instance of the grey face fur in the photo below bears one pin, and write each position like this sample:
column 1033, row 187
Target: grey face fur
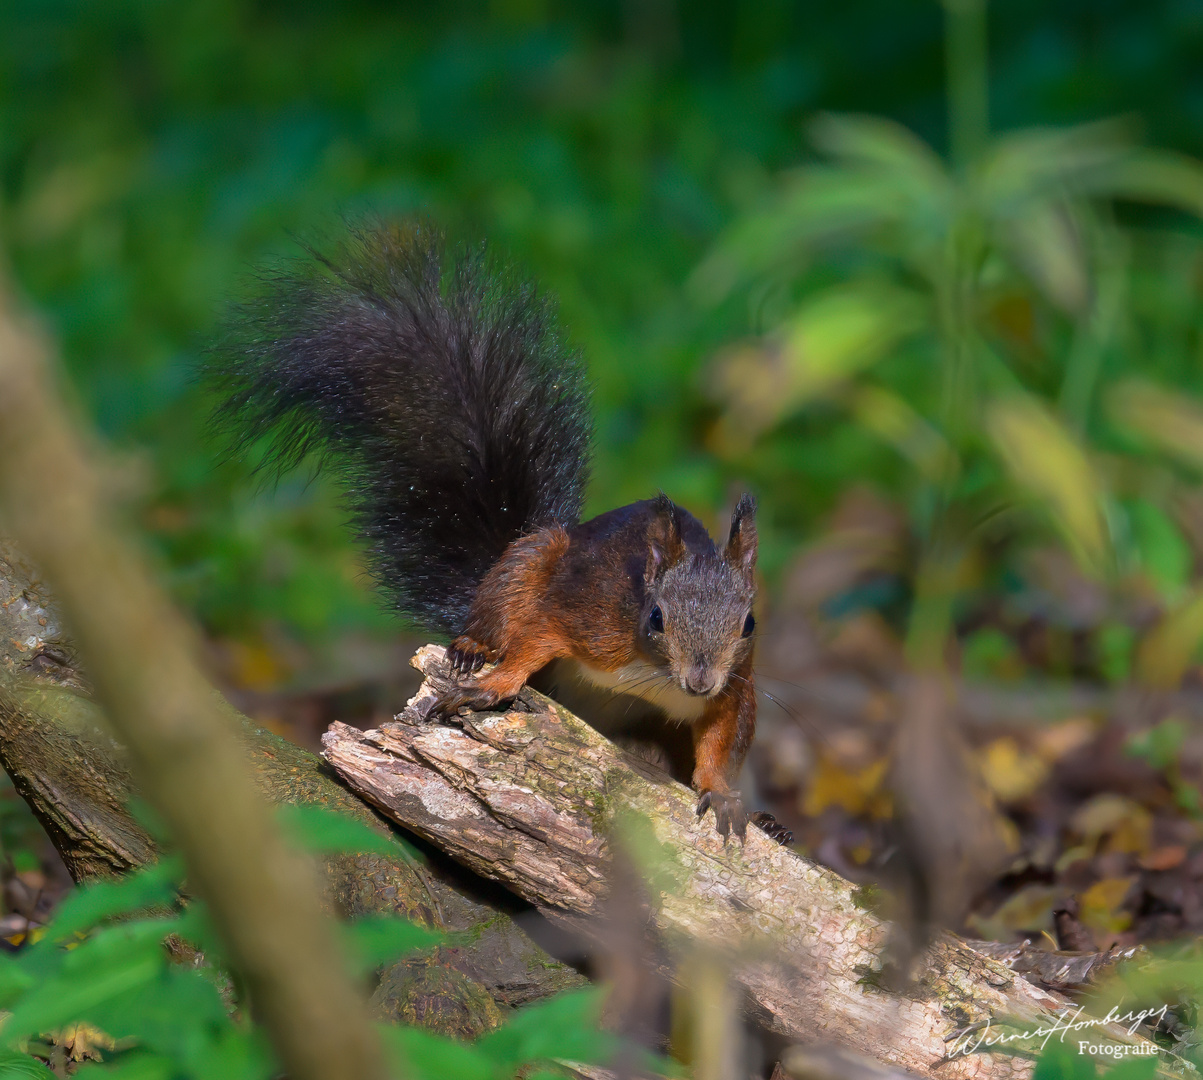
column 697, row 619
column 704, row 605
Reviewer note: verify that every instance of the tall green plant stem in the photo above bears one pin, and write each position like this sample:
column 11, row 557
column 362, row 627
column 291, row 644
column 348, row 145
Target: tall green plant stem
column 968, row 129
column 1096, row 331
column 968, row 95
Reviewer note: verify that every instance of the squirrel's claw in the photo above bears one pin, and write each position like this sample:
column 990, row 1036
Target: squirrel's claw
column 729, row 814
column 771, row 827
column 465, row 656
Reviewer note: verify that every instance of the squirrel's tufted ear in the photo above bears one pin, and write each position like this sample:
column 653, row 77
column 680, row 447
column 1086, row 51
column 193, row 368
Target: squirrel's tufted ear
column 740, row 552
column 664, row 543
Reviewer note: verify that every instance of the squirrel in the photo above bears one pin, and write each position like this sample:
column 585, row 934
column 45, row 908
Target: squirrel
column 440, row 387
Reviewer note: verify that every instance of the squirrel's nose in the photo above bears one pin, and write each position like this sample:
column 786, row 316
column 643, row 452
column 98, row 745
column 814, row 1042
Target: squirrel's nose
column 699, row 680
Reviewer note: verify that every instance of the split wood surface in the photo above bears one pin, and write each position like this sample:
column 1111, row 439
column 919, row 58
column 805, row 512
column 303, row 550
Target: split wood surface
column 536, row 799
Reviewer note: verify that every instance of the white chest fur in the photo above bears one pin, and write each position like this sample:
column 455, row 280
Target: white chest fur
column 640, row 679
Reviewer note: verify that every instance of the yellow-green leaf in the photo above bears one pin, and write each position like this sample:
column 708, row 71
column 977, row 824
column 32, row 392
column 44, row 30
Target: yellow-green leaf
column 1100, row 908
column 818, row 205
column 1042, row 163
column 843, row 330
column 1165, row 654
column 1043, row 458
column 893, row 420
column 1154, row 176
column 1169, row 420
column 879, row 143
column 1046, row 242
column 835, row 335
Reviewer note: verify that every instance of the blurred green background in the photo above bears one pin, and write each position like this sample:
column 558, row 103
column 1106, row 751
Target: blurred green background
column 805, row 311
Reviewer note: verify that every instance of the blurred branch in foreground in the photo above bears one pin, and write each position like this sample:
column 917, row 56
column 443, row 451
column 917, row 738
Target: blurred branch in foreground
column 56, row 746
column 188, row 763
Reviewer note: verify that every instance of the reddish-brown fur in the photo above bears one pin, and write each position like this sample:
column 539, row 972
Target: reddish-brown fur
column 582, row 594
column 722, row 735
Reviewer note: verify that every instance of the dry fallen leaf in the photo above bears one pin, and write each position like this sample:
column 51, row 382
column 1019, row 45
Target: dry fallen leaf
column 1028, row 911
column 1163, row 858
column 1114, row 823
column 857, row 791
column 83, row 1042
column 1012, row 773
column 1099, row 908
column 1056, row 741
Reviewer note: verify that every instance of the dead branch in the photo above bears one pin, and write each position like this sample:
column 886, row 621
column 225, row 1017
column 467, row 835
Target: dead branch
column 533, row 797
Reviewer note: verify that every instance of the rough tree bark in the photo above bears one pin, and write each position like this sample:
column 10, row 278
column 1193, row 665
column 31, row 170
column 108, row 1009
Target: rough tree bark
column 533, row 797
column 56, row 747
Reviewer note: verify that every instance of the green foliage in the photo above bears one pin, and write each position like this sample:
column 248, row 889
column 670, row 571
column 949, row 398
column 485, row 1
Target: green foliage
column 146, row 161
column 1006, row 335
column 153, row 1016
column 153, row 887
column 1160, row 746
column 18, row 1066
column 566, row 1027
column 1061, row 1061
column 990, row 654
column 374, row 940
column 322, row 831
column 1115, row 643
column 121, row 981
column 1026, row 224
column 962, row 317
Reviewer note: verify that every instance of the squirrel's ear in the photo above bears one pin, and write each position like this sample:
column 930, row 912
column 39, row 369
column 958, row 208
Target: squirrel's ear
column 664, row 543
column 740, row 552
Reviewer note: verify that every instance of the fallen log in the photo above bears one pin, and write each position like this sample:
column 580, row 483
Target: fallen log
column 535, row 798
column 532, row 799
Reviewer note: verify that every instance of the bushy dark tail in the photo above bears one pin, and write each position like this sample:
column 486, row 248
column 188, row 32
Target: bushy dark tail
column 438, row 387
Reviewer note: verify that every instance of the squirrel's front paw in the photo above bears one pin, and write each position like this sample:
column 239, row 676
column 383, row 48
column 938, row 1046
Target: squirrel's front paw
column 454, row 698
column 466, row 657
column 729, row 814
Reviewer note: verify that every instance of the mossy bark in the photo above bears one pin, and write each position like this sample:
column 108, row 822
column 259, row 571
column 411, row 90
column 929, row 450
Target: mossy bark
column 56, row 747
column 536, row 799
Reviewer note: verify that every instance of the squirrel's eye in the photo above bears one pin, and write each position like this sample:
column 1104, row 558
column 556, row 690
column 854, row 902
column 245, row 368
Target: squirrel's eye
column 749, row 625
column 656, row 620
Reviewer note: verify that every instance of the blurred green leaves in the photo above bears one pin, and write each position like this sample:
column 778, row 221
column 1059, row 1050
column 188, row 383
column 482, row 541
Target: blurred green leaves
column 322, row 831
column 1043, row 458
column 967, row 316
column 146, row 162
column 159, row 1011
column 1167, row 420
column 834, row 335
